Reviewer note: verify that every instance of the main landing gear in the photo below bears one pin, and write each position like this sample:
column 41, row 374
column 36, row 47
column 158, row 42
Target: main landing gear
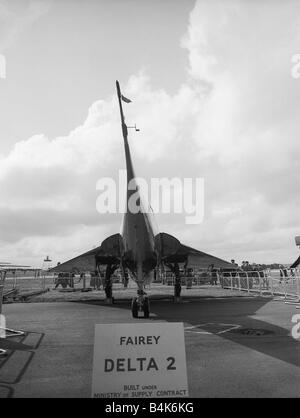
column 177, row 283
column 140, row 304
column 110, row 268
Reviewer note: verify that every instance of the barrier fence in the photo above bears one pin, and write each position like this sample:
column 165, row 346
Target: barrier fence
column 197, row 279
column 284, row 283
column 2, row 281
column 2, row 325
column 20, row 282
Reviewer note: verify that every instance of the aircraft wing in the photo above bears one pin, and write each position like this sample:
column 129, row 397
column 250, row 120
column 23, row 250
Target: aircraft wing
column 172, row 251
column 204, row 260
column 83, row 262
column 108, row 251
column 169, row 248
column 295, row 263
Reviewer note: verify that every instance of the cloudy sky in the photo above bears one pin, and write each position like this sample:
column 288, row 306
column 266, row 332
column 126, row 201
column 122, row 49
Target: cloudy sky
column 213, row 96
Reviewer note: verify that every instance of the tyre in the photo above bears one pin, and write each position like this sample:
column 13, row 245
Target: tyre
column 134, row 308
column 146, row 308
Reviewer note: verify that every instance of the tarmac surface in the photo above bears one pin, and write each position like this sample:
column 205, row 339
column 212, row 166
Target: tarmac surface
column 54, row 359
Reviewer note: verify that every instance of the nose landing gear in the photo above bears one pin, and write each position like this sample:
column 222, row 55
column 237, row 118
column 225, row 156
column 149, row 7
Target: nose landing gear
column 140, row 304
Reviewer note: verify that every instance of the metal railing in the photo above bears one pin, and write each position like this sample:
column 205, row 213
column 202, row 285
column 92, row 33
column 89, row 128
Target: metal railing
column 4, row 331
column 196, row 280
column 1, row 295
column 2, row 281
column 284, row 282
column 21, row 283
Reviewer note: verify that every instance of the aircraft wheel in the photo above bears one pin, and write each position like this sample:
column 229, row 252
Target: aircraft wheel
column 146, row 308
column 135, row 308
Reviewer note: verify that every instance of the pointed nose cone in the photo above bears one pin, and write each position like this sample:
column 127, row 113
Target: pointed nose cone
column 118, row 88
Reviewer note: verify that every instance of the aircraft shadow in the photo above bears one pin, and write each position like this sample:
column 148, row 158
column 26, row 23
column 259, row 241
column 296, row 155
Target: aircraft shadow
column 276, row 342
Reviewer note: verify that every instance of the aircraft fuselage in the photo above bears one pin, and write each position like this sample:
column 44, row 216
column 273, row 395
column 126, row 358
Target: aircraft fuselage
column 137, row 232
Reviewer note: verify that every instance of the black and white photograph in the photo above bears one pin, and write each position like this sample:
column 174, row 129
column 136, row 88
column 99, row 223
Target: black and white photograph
column 149, row 206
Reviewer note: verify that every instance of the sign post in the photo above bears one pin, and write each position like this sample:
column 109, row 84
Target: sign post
column 139, row 360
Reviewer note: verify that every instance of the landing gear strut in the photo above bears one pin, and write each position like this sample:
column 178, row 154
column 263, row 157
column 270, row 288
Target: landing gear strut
column 140, row 304
column 108, row 282
column 177, row 287
column 177, row 283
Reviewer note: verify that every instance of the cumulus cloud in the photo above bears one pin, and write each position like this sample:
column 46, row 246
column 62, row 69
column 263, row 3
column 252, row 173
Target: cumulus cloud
column 241, row 54
column 234, row 121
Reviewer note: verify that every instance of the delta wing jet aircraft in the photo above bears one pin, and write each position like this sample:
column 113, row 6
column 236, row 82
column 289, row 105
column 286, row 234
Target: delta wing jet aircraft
column 137, row 248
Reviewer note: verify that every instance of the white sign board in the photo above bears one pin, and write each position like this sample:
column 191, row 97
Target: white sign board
column 139, row 360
